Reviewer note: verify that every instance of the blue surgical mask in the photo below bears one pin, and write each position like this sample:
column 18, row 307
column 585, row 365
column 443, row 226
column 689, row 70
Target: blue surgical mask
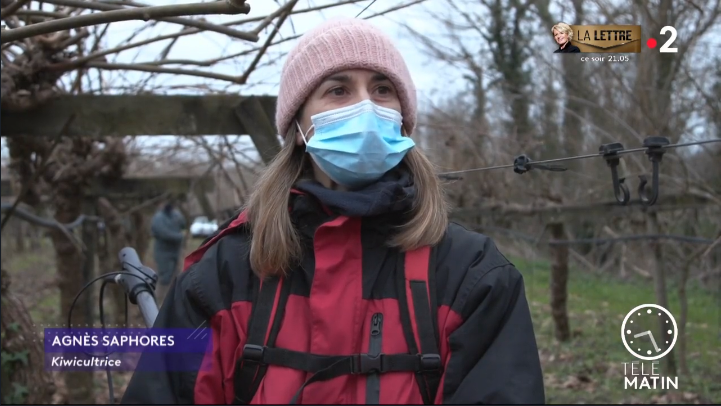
column 356, row 145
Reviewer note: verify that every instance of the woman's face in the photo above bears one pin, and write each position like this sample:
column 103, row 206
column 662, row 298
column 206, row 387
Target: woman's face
column 561, row 37
column 344, row 89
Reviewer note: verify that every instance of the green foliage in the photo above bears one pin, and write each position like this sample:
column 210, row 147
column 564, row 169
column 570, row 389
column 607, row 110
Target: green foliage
column 9, row 361
column 9, row 358
column 589, row 368
column 17, row 395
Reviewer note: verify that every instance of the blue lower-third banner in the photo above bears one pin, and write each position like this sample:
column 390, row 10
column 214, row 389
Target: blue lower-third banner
column 127, row 349
column 127, row 361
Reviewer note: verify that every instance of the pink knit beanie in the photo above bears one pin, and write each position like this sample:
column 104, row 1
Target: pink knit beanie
column 340, row 44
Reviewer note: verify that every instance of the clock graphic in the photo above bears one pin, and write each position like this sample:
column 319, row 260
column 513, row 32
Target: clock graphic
column 649, row 332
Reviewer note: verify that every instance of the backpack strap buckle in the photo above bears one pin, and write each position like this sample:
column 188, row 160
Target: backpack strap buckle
column 430, row 363
column 253, row 353
column 367, row 364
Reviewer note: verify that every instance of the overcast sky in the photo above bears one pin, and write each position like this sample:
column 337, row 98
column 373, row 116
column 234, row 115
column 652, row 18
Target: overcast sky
column 265, row 80
column 205, row 46
column 434, row 79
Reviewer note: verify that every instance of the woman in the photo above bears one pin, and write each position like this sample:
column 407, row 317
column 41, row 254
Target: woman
column 368, row 295
column 563, row 34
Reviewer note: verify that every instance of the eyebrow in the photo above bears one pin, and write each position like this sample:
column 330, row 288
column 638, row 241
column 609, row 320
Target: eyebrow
column 342, row 78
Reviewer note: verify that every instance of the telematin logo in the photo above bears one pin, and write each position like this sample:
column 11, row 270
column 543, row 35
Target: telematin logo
column 636, row 332
column 637, row 335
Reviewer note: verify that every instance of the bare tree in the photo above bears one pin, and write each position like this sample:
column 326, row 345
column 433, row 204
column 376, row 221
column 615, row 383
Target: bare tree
column 67, row 49
column 495, row 46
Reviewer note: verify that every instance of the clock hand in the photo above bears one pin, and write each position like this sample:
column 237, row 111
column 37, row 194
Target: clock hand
column 650, row 335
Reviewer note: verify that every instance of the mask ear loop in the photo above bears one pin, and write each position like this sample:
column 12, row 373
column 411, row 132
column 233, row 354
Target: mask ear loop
column 300, row 130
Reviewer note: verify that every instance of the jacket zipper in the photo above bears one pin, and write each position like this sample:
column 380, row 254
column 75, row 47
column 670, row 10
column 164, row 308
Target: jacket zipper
column 373, row 381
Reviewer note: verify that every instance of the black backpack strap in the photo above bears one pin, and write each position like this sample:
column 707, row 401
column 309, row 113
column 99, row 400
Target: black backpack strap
column 250, row 368
column 417, row 303
column 256, row 358
column 326, row 367
column 419, row 312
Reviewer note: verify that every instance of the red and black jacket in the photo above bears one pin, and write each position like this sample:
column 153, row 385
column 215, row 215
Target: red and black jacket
column 351, row 300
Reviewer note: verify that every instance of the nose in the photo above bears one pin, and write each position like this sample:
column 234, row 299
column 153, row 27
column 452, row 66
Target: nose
column 362, row 94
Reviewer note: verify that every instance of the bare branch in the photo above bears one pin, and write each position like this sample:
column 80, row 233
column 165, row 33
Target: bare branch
column 158, row 69
column 211, row 62
column 281, row 11
column 142, row 13
column 42, row 222
column 66, row 229
column 286, row 12
column 201, row 25
column 12, row 8
column 191, row 31
column 40, row 13
column 394, row 8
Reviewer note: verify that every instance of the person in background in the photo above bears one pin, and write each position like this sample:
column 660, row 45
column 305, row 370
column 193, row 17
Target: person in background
column 168, row 231
column 563, row 34
column 342, row 280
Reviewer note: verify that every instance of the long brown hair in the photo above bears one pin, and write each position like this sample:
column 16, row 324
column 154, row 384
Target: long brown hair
column 275, row 243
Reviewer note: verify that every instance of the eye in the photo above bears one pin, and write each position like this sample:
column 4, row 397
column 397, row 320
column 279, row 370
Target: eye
column 337, row 91
column 384, row 90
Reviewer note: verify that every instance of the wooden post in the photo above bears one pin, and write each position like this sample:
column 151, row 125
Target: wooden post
column 205, row 203
column 659, row 284
column 559, row 283
column 98, row 116
column 254, row 118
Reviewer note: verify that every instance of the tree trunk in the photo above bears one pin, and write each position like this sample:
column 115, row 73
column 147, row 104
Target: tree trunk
column 559, row 284
column 37, row 236
column 24, row 378
column 117, row 239
column 20, row 237
column 659, row 283
column 141, row 234
column 69, row 259
column 683, row 299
